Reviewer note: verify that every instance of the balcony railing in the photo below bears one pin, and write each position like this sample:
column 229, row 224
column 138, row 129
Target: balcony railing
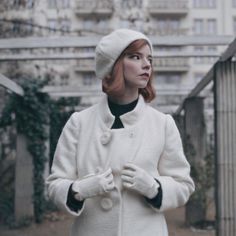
column 167, row 64
column 88, row 7
column 173, row 7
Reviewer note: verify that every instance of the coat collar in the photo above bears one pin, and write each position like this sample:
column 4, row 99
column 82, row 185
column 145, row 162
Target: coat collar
column 128, row 119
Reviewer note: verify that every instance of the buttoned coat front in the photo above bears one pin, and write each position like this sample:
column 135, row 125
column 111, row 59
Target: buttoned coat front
column 87, row 145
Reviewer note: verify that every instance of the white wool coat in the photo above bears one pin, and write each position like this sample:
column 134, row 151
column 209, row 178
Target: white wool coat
column 149, row 139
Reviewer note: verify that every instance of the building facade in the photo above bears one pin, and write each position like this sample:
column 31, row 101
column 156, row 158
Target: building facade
column 174, row 76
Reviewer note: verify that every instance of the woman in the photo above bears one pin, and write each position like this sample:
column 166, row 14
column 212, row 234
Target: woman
column 120, row 164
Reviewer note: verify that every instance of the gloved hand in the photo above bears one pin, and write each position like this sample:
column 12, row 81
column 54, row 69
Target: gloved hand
column 93, row 185
column 137, row 179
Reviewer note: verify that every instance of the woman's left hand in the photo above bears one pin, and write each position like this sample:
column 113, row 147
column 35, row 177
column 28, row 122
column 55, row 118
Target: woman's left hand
column 137, row 179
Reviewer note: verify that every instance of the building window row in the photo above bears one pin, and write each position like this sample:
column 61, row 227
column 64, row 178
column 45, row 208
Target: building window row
column 168, row 26
column 89, row 79
column 128, row 4
column 205, row 59
column 62, row 24
column 16, row 27
column 168, row 78
column 17, row 4
column 92, row 4
column 205, row 26
column 96, row 26
column 58, row 4
column 204, row 3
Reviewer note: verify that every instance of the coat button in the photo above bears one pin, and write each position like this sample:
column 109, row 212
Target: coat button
column 106, row 137
column 106, row 204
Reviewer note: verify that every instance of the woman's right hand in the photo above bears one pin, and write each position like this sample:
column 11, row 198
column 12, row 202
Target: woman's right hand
column 94, row 185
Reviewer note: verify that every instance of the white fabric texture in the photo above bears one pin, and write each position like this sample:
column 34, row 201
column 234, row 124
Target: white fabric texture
column 93, row 185
column 149, row 140
column 137, row 179
column 110, row 48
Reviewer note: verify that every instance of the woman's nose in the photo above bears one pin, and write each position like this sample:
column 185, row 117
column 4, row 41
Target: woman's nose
column 146, row 63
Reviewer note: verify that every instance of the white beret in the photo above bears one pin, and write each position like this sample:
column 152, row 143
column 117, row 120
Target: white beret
column 110, row 48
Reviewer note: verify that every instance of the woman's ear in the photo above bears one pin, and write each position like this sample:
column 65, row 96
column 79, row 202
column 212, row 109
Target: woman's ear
column 105, row 83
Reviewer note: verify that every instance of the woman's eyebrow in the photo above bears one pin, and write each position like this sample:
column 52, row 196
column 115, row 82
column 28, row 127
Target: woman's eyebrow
column 139, row 53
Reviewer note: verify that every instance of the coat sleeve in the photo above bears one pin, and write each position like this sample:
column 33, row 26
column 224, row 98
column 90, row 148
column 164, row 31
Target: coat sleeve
column 64, row 171
column 174, row 170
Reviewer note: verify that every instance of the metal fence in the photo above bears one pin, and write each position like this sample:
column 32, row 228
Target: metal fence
column 223, row 76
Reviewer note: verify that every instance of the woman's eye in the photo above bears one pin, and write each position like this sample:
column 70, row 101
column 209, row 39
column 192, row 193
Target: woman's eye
column 136, row 57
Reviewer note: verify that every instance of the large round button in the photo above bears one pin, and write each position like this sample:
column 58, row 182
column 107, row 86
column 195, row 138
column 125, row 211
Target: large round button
column 106, row 137
column 106, row 204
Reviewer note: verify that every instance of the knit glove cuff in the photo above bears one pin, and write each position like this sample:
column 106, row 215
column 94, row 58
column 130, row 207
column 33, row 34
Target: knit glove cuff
column 93, row 185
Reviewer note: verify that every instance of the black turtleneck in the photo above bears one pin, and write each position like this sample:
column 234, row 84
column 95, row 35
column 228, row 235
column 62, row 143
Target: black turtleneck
column 119, row 109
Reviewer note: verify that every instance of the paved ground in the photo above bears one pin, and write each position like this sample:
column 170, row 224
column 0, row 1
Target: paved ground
column 175, row 220
column 59, row 225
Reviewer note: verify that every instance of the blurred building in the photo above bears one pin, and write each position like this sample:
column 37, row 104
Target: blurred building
column 174, row 77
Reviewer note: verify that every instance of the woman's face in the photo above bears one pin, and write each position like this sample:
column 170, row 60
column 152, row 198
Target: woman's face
column 137, row 68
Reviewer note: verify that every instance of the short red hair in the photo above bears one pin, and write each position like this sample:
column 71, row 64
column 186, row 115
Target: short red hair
column 114, row 84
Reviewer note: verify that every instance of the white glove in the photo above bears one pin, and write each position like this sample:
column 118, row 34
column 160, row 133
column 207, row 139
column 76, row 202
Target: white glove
column 137, row 179
column 93, row 185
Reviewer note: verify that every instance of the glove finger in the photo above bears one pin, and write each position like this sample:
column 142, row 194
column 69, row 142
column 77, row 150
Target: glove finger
column 107, row 172
column 127, row 179
column 130, row 166
column 128, row 172
column 128, row 185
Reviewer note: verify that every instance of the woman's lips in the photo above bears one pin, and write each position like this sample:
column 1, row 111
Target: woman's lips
column 145, row 75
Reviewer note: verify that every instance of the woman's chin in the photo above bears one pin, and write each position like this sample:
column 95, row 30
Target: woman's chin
column 143, row 84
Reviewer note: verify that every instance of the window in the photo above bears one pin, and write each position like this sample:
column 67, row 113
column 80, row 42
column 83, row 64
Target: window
column 89, row 79
column 129, row 4
column 205, row 59
column 168, row 78
column 88, row 25
column 198, row 26
column 168, row 26
column 205, row 26
column 199, row 59
column 211, row 27
column 52, row 4
column 52, row 24
column 61, row 4
column 65, row 25
column 16, row 27
column 64, row 78
column 64, row 4
column 30, row 4
column 102, row 24
column 204, row 3
column 29, row 26
column 212, row 59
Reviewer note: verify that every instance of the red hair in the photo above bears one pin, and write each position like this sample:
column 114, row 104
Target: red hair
column 114, row 84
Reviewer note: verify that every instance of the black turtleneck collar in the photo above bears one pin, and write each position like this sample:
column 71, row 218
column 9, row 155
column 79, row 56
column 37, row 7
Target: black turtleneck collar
column 119, row 109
